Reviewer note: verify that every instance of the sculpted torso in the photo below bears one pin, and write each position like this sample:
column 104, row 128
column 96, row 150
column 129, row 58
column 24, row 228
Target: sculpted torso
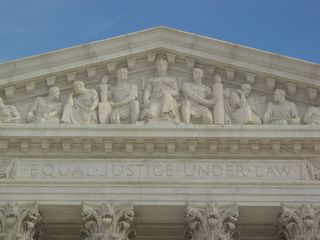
column 118, row 93
column 46, row 110
column 5, row 113
column 9, row 114
column 312, row 116
column 81, row 105
column 86, row 99
column 199, row 90
column 162, row 85
column 282, row 113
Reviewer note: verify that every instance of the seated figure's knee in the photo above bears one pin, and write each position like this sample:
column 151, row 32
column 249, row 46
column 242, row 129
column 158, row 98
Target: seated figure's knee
column 207, row 117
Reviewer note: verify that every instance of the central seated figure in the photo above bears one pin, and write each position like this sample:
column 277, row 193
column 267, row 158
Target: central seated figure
column 159, row 96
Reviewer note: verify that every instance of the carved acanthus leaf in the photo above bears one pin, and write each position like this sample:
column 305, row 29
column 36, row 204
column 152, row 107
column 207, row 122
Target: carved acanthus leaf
column 212, row 222
column 107, row 222
column 7, row 169
column 20, row 222
column 299, row 222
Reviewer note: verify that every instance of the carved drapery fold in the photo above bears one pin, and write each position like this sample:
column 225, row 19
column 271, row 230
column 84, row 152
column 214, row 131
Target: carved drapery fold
column 299, row 222
column 107, row 222
column 212, row 222
column 20, row 222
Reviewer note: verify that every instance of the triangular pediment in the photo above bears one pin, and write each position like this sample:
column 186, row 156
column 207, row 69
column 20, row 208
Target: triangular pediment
column 23, row 80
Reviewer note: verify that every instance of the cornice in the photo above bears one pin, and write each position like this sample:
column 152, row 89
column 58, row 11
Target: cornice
column 202, row 140
column 190, row 45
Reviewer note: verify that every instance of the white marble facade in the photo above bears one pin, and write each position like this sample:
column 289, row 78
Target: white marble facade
column 159, row 134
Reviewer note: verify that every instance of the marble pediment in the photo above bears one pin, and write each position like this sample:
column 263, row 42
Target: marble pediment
column 23, row 80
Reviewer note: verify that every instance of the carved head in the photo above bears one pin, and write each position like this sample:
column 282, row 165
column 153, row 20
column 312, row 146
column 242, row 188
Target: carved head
column 197, row 74
column 54, row 93
column 279, row 95
column 122, row 75
column 246, row 89
column 78, row 87
column 217, row 78
column 104, row 79
column 162, row 66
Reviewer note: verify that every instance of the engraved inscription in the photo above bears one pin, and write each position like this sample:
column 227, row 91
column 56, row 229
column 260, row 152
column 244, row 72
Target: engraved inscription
column 160, row 169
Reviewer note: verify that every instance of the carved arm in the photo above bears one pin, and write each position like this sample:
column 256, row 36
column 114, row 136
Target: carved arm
column 131, row 96
column 187, row 92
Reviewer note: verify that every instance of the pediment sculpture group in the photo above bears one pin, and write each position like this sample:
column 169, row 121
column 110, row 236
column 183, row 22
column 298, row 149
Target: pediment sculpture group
column 161, row 102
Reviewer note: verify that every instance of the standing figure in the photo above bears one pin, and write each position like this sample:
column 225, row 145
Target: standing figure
column 198, row 100
column 46, row 109
column 123, row 98
column 242, row 109
column 281, row 111
column 8, row 113
column 104, row 108
column 81, row 105
column 159, row 96
column 312, row 116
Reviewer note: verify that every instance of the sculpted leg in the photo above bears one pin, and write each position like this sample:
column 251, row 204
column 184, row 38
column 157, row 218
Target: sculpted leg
column 207, row 117
column 167, row 103
column 153, row 111
column 185, row 111
column 134, row 107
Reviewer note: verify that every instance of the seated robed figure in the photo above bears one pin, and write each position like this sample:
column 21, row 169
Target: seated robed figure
column 159, row 96
column 8, row 113
column 81, row 105
column 242, row 107
column 46, row 109
column 281, row 111
column 123, row 99
column 312, row 116
column 198, row 99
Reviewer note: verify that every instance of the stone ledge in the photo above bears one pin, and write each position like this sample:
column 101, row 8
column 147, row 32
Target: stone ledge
column 161, row 131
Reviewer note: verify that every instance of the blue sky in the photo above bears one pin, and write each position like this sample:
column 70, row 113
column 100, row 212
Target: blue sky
column 288, row 27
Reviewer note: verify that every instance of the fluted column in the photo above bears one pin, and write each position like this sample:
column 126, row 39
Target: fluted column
column 107, row 221
column 20, row 222
column 212, row 221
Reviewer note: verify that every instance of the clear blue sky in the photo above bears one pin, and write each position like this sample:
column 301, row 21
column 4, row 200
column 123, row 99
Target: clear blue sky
column 288, row 27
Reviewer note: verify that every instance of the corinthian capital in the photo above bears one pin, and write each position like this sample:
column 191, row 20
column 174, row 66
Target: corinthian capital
column 212, row 221
column 299, row 222
column 107, row 222
column 20, row 222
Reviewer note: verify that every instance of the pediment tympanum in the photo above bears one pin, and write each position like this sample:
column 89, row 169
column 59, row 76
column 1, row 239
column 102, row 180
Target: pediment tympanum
column 164, row 76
